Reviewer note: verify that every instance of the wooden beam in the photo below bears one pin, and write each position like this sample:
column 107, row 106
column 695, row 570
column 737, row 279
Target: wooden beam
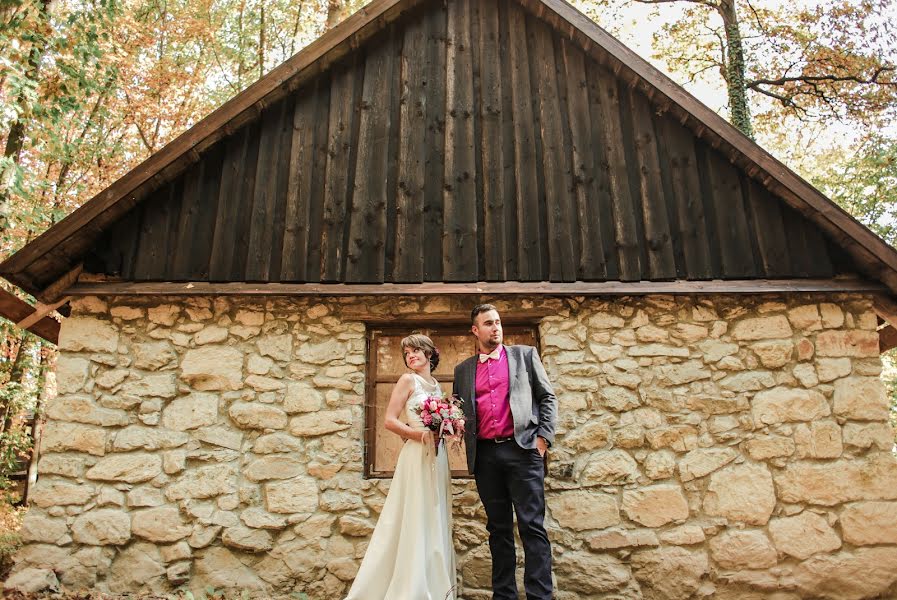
column 579, row 288
column 885, row 307
column 17, row 310
column 41, row 310
column 53, row 292
column 887, row 339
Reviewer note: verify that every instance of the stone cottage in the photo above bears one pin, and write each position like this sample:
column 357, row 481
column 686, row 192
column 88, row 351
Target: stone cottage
column 711, row 322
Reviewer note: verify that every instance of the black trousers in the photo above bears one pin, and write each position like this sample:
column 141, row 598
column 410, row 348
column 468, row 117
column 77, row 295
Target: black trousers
column 513, row 478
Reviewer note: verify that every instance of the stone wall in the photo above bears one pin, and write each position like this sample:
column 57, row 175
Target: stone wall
column 725, row 447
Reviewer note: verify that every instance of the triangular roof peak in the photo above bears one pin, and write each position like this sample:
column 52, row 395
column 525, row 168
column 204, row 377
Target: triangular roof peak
column 45, row 261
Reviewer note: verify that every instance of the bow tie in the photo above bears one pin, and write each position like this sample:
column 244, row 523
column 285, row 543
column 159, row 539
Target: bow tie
column 494, row 355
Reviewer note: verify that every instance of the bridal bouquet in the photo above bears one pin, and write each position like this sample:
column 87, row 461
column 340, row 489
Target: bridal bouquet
column 443, row 415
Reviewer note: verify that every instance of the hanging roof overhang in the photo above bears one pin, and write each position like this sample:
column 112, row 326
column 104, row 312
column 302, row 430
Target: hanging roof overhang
column 41, row 265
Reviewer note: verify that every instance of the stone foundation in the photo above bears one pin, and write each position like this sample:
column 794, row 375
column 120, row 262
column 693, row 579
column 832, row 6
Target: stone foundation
column 719, row 446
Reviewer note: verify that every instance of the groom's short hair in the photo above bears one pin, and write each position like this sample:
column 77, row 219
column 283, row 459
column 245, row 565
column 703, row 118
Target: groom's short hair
column 480, row 308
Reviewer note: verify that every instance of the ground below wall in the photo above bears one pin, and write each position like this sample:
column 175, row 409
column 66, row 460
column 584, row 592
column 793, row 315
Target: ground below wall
column 707, row 447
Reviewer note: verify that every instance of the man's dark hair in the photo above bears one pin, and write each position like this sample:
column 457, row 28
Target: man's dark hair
column 480, row 308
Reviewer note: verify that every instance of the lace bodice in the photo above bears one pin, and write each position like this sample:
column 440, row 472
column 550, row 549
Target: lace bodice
column 422, row 390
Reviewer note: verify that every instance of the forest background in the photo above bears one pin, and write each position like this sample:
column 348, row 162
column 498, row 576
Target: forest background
column 90, row 88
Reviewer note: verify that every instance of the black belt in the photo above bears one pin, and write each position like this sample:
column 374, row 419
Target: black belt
column 499, row 440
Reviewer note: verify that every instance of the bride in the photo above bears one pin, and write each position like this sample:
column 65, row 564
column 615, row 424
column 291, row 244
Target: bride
column 410, row 555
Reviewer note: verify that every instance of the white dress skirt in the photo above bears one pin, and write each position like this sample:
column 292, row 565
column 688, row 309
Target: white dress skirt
column 411, row 555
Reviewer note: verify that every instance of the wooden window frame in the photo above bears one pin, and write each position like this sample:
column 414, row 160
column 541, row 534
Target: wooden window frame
column 376, row 329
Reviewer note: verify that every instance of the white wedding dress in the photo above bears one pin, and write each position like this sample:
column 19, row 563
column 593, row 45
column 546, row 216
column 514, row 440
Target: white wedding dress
column 411, row 555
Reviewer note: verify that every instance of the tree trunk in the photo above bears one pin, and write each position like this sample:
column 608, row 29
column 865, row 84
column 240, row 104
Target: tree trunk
column 20, row 368
column 15, row 139
column 740, row 112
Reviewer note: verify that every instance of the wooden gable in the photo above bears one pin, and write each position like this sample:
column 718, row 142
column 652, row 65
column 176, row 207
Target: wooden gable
column 464, row 141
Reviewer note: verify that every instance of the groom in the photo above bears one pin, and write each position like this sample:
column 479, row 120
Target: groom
column 510, row 410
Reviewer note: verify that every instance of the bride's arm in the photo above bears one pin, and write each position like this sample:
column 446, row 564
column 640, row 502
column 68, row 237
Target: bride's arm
column 397, row 400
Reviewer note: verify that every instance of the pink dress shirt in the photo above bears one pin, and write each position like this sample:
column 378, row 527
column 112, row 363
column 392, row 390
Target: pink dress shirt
column 493, row 386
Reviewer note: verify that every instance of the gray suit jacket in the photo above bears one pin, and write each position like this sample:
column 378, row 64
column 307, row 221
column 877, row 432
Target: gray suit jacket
column 533, row 404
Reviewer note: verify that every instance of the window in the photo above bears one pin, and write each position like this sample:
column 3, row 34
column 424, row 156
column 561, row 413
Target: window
column 385, row 365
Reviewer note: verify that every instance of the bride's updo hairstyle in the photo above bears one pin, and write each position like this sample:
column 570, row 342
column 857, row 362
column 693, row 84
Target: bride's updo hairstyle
column 418, row 341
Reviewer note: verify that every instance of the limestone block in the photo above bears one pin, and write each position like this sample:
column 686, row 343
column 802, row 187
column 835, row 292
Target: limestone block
column 660, row 464
column 672, row 572
column 160, row 525
column 604, row 320
column 586, row 573
column 658, row 350
column 145, row 496
column 618, row 399
column 68, row 465
column 87, row 334
column 829, row 369
column 748, row 381
column 832, row 315
column 153, row 356
column 153, row 385
column 769, row 446
column 868, row 435
column 740, row 549
column 213, row 368
column 37, row 528
column 71, row 373
column 273, row 467
column 111, row 378
column 852, row 342
column 715, row 350
column 606, row 467
column 225, row 437
column 258, row 518
column 252, row 318
column 280, row 347
column 137, row 568
column 246, row 539
column 654, row 506
column 164, row 314
column 178, row 551
column 210, row 335
column 32, row 581
column 689, row 332
column 590, row 436
column 684, row 535
column 321, row 423
column 861, row 399
column 742, row 493
column 64, row 437
column 805, row 317
column 355, row 526
column 804, row 535
column 134, row 467
column 582, row 510
column 301, row 397
column 255, row 415
column 775, row 353
column 678, row 437
column 762, row 328
column 683, row 373
column 102, row 527
column 53, row 492
column 782, row 404
column 611, row 539
column 712, row 405
column 820, row 439
column 81, row 409
column 203, row 482
column 276, row 442
column 848, row 575
column 147, row 438
column 298, row 495
column 866, row 523
column 870, row 478
column 190, row 412
column 703, row 461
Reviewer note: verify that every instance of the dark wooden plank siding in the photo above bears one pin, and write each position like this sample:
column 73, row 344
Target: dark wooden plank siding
column 467, row 141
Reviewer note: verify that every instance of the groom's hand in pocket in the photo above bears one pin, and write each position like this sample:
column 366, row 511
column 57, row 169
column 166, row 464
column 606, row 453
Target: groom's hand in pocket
column 541, row 445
